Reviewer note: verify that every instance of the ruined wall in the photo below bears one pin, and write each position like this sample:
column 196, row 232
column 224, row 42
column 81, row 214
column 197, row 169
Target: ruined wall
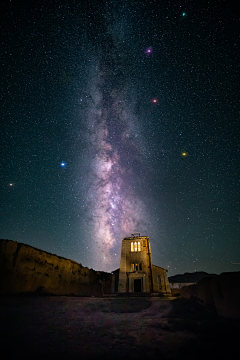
column 27, row 269
column 188, row 292
column 175, row 287
column 180, row 285
column 222, row 291
column 226, row 294
column 115, row 280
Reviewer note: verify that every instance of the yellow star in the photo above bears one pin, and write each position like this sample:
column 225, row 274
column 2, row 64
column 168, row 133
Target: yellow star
column 184, row 154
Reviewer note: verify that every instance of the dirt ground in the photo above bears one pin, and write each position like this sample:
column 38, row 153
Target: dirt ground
column 58, row 327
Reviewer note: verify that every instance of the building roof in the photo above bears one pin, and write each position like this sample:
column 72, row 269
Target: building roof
column 134, row 237
column 160, row 267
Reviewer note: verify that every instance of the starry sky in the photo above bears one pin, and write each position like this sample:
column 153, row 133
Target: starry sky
column 121, row 117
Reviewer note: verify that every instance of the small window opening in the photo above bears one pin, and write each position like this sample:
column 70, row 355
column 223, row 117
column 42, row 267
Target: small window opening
column 136, row 267
column 135, row 246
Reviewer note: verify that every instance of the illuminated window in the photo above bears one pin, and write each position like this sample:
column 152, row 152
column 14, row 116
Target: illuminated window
column 136, row 267
column 135, row 246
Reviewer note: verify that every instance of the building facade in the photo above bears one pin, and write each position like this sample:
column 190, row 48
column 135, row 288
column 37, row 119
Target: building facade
column 137, row 273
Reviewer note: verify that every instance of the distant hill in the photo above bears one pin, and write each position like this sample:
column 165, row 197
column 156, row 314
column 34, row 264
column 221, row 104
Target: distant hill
column 189, row 277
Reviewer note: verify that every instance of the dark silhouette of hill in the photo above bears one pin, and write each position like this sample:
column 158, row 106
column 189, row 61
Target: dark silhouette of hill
column 189, row 277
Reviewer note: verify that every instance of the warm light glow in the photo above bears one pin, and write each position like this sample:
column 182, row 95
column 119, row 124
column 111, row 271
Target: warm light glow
column 136, row 246
column 136, row 267
column 132, row 248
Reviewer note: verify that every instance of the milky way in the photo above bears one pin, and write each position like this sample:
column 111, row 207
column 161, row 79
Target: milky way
column 115, row 209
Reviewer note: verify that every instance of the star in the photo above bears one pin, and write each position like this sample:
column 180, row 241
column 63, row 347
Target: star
column 101, row 140
column 184, row 154
column 149, row 50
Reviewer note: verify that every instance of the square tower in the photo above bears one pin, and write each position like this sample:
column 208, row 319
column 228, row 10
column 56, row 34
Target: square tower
column 137, row 273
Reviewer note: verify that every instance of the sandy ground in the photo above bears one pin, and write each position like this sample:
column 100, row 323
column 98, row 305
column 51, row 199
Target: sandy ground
column 112, row 328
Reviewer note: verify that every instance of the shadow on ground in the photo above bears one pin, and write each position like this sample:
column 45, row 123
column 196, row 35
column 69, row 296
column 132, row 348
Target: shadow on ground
column 96, row 328
column 214, row 338
column 125, row 305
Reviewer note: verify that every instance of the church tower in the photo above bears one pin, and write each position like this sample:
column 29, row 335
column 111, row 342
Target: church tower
column 137, row 273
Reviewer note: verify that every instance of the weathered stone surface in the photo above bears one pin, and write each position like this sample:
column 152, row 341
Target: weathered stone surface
column 175, row 287
column 222, row 291
column 188, row 292
column 204, row 290
column 137, row 272
column 226, row 294
column 27, row 269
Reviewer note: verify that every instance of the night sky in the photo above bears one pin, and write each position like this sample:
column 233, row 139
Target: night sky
column 121, row 117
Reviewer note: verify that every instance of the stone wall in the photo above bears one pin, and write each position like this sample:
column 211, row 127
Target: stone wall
column 25, row 269
column 226, row 295
column 222, row 291
column 180, row 285
column 160, row 280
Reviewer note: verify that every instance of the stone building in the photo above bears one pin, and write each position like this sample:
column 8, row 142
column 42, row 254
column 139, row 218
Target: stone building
column 137, row 273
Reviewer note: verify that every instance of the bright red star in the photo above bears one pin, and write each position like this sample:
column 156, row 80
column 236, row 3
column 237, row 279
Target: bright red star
column 154, row 101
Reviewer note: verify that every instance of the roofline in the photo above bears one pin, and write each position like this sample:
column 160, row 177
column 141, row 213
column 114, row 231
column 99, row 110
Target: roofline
column 135, row 237
column 160, row 267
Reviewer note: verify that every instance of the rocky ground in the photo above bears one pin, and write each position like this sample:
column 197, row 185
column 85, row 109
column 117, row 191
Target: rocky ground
column 60, row 327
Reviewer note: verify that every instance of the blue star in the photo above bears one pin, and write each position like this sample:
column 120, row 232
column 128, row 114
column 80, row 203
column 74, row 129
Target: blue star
column 63, row 164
